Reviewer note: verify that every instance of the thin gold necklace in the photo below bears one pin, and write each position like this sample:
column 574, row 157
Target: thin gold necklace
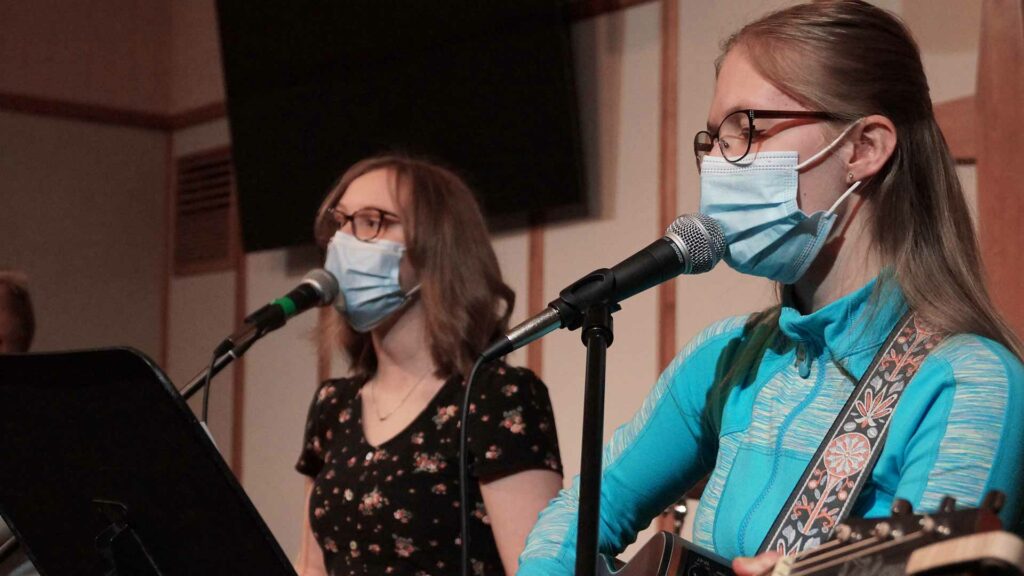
column 376, row 405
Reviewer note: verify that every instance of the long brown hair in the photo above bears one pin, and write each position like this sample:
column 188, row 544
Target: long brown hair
column 466, row 303
column 853, row 59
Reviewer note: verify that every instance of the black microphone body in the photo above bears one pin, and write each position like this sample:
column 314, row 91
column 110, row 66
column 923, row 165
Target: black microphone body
column 693, row 244
column 318, row 288
column 659, row 261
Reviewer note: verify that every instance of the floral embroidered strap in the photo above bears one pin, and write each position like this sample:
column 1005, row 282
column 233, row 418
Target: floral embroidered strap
column 837, row 472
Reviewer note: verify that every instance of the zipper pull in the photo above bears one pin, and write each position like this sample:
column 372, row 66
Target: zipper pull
column 803, row 361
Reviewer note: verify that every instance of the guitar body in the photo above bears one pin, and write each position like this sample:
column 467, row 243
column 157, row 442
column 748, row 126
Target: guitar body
column 668, row 555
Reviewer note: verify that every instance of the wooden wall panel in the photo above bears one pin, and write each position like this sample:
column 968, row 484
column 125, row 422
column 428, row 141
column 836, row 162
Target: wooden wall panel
column 958, row 120
column 668, row 187
column 1000, row 170
column 668, row 169
column 535, row 298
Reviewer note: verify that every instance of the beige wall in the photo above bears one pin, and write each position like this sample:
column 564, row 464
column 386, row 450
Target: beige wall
column 619, row 57
column 82, row 212
column 202, row 311
column 156, row 56
column 280, row 378
column 196, row 75
column 102, row 52
column 113, row 180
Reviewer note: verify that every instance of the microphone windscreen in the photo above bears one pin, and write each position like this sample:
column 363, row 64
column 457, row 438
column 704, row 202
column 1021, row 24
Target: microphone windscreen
column 703, row 238
column 325, row 283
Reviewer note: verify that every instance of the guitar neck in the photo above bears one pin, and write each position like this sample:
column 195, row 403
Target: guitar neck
column 992, row 552
column 948, row 541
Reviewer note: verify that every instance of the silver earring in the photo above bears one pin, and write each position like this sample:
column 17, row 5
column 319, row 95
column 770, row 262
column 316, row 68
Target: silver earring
column 849, row 177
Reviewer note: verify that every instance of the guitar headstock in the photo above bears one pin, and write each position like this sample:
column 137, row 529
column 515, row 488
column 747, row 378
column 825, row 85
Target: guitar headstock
column 947, row 522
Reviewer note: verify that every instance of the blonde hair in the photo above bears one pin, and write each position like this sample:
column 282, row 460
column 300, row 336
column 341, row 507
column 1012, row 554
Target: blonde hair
column 853, row 59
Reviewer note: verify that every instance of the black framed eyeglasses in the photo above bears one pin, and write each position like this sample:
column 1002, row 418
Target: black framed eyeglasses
column 737, row 132
column 367, row 223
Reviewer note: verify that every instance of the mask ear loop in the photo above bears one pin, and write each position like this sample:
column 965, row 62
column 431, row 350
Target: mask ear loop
column 844, row 196
column 827, row 149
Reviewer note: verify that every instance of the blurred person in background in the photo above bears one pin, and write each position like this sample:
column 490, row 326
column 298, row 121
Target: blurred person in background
column 17, row 328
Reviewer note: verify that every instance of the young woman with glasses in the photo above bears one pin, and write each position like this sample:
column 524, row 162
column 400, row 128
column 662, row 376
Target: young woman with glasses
column 824, row 165
column 421, row 297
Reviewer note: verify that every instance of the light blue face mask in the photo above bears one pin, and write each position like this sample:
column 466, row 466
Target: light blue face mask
column 367, row 274
column 756, row 204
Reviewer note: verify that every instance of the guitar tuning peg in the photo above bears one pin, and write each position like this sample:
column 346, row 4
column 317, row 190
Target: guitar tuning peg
column 901, row 507
column 927, row 524
column 948, row 504
column 882, row 531
column 994, row 501
column 843, row 533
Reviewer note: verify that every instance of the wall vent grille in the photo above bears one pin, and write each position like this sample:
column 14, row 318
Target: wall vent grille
column 205, row 213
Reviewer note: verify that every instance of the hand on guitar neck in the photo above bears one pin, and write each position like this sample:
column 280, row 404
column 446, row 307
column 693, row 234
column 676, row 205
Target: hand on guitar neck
column 761, row 564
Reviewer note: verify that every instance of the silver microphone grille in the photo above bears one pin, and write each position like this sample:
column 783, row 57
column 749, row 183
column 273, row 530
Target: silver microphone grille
column 325, row 284
column 703, row 238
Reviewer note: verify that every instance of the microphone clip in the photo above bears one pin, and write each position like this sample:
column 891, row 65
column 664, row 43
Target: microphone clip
column 576, row 299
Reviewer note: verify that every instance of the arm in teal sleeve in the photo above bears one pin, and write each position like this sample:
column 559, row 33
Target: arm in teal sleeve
column 649, row 462
column 968, row 440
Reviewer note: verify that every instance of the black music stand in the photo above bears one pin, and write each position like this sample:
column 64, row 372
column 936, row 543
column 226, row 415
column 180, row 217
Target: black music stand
column 104, row 470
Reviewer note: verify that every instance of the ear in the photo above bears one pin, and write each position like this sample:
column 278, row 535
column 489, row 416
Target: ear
column 874, row 140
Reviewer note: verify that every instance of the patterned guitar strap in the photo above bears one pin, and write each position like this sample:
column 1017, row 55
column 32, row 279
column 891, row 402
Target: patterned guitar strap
column 836, row 474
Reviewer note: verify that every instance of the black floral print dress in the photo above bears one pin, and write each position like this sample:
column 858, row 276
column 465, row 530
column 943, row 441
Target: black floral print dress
column 394, row 508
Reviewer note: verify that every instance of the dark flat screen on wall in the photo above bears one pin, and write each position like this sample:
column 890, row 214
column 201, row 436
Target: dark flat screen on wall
column 483, row 86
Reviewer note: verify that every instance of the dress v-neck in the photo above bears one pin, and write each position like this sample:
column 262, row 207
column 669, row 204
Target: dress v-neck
column 357, row 413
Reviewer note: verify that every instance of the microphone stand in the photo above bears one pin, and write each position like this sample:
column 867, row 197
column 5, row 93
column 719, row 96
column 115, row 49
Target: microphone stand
column 597, row 336
column 224, row 355
column 588, row 303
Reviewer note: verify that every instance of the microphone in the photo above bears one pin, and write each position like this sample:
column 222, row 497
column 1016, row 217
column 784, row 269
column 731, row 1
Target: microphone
column 693, row 244
column 318, row 288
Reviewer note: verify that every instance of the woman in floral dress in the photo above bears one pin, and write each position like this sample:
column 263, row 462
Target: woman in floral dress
column 421, row 296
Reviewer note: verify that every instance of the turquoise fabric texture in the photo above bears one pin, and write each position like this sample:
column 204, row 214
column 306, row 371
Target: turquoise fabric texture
column 953, row 433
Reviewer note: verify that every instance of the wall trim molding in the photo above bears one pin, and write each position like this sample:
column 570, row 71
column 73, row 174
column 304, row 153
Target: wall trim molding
column 198, row 115
column 68, row 110
column 111, row 115
column 584, row 9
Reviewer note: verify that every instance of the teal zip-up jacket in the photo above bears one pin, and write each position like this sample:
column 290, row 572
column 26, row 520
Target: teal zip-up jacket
column 954, row 432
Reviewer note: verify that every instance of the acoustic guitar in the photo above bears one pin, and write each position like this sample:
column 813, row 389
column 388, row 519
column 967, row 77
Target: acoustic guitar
column 948, row 542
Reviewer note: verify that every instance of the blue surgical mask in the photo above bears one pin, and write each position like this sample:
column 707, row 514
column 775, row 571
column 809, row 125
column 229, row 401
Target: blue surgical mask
column 367, row 274
column 755, row 202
